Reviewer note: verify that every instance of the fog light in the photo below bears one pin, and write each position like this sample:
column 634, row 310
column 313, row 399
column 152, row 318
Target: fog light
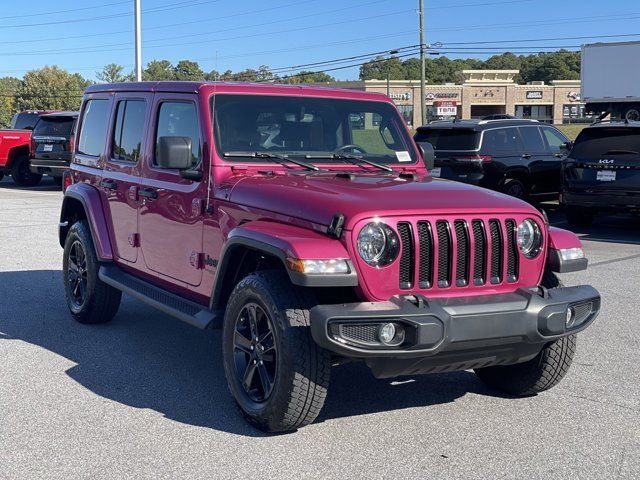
column 570, row 317
column 387, row 333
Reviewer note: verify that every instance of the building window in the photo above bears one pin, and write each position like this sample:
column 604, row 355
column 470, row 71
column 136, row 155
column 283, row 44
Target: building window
column 542, row 113
column 575, row 113
column 407, row 113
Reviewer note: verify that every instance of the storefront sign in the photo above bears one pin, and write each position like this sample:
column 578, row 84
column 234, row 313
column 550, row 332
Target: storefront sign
column 432, row 95
column 446, row 108
column 534, row 95
column 574, row 96
column 400, row 96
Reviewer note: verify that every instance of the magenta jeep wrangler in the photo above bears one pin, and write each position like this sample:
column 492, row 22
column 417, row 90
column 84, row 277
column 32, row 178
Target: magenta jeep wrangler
column 303, row 221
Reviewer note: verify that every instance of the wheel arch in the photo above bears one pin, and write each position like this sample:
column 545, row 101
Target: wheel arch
column 14, row 153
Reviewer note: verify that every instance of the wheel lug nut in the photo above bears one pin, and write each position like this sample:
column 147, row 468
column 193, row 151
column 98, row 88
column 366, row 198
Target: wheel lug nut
column 255, row 361
column 251, row 347
column 260, row 362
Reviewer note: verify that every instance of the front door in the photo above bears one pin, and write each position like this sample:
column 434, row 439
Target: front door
column 121, row 174
column 172, row 209
column 554, row 140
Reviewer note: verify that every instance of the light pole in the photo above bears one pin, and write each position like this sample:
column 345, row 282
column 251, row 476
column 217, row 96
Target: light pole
column 422, row 65
column 138, row 41
column 392, row 52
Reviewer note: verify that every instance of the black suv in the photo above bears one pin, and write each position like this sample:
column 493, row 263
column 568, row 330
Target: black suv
column 514, row 156
column 602, row 172
column 52, row 144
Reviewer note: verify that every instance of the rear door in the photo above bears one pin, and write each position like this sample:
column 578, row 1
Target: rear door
column 172, row 208
column 536, row 157
column 452, row 146
column 121, row 173
column 52, row 138
column 606, row 159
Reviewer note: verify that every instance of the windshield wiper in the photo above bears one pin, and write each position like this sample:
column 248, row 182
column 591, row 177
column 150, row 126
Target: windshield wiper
column 355, row 159
column 620, row 152
column 282, row 159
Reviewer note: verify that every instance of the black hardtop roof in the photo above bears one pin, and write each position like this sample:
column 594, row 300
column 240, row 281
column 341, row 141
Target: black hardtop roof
column 478, row 125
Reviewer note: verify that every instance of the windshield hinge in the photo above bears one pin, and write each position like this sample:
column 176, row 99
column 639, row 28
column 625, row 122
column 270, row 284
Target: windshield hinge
column 335, row 227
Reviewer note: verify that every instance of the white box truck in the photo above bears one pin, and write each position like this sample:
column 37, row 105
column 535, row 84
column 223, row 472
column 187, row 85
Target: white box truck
column 610, row 76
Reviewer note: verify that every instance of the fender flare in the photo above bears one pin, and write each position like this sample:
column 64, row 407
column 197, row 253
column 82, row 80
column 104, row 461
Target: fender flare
column 15, row 152
column 88, row 198
column 560, row 239
column 285, row 241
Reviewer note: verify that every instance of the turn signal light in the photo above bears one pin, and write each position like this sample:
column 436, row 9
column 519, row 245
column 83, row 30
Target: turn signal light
column 67, row 180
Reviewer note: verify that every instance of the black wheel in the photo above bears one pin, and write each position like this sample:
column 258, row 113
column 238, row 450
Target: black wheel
column 632, row 115
column 276, row 373
column 21, row 174
column 542, row 372
column 1, row 176
column 89, row 299
column 579, row 217
column 515, row 188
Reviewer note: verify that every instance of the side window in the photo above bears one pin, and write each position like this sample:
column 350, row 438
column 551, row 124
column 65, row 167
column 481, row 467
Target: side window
column 180, row 119
column 532, row 139
column 554, row 139
column 94, row 127
column 127, row 134
column 500, row 140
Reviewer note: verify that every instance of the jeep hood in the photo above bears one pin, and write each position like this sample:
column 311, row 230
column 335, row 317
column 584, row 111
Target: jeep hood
column 317, row 197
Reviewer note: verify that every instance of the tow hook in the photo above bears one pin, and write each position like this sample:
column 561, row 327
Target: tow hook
column 418, row 300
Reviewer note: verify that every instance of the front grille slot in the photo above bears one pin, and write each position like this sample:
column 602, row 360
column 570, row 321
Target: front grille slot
column 479, row 252
column 496, row 251
column 444, row 253
column 512, row 254
column 406, row 255
column 462, row 260
column 425, row 269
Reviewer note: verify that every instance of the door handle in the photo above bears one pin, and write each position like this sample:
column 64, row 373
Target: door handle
column 526, row 155
column 149, row 193
column 109, row 184
column 558, row 155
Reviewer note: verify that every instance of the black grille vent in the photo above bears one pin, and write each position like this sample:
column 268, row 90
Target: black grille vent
column 462, row 260
column 425, row 272
column 406, row 256
column 444, row 253
column 512, row 254
column 479, row 253
column 496, row 251
column 367, row 334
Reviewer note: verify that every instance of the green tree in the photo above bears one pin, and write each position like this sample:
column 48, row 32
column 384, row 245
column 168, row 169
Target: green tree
column 158, row 70
column 188, row 70
column 113, row 73
column 308, row 77
column 50, row 88
column 8, row 87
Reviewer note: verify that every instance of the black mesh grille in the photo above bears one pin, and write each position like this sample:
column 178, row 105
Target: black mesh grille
column 479, row 252
column 462, row 260
column 512, row 254
column 425, row 273
column 360, row 333
column 406, row 255
column 496, row 251
column 444, row 253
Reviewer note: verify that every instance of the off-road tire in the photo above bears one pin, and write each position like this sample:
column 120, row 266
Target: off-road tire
column 538, row 374
column 21, row 174
column 578, row 217
column 303, row 368
column 101, row 301
column 515, row 188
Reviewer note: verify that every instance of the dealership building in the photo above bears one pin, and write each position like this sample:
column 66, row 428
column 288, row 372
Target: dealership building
column 481, row 93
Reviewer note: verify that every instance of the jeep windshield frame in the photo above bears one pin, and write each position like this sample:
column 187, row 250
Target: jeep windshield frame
column 320, row 130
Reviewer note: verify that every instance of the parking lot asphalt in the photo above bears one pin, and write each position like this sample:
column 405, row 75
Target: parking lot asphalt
column 145, row 396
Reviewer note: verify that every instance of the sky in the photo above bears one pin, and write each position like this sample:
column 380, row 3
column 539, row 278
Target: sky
column 84, row 36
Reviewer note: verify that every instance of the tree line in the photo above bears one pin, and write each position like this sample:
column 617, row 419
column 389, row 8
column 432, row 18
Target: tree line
column 53, row 88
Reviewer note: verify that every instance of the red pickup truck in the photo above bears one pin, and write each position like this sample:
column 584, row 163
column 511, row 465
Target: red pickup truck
column 14, row 148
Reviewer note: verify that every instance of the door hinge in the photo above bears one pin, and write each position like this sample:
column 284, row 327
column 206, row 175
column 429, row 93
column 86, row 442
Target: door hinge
column 134, row 240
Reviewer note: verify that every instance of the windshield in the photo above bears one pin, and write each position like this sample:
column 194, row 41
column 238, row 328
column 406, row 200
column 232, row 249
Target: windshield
column 594, row 143
column 449, row 138
column 311, row 128
column 60, row 126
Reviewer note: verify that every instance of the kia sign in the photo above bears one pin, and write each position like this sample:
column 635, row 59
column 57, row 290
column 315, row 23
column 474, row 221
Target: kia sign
column 446, row 108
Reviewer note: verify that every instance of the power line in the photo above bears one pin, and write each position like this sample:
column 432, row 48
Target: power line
column 40, row 14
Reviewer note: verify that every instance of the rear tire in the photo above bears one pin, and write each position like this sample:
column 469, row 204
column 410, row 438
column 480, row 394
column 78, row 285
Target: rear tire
column 578, row 217
column 515, row 188
column 89, row 299
column 542, row 372
column 21, row 174
column 267, row 307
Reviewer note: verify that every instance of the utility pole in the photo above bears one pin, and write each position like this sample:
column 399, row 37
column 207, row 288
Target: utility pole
column 422, row 66
column 138, row 41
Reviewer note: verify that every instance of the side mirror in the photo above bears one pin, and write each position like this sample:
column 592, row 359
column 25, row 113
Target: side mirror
column 566, row 147
column 174, row 153
column 428, row 154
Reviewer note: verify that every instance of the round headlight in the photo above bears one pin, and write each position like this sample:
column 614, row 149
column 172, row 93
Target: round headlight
column 378, row 244
column 529, row 238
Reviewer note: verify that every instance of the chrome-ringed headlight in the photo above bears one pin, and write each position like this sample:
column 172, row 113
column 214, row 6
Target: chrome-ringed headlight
column 529, row 238
column 378, row 244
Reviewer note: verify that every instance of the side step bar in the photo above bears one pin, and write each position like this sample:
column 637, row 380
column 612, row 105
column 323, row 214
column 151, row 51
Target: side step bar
column 167, row 302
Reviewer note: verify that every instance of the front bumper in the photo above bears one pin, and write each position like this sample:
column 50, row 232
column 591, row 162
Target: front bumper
column 453, row 333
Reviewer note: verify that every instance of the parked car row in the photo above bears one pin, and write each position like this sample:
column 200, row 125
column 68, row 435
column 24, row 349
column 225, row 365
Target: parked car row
column 598, row 172
column 39, row 142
